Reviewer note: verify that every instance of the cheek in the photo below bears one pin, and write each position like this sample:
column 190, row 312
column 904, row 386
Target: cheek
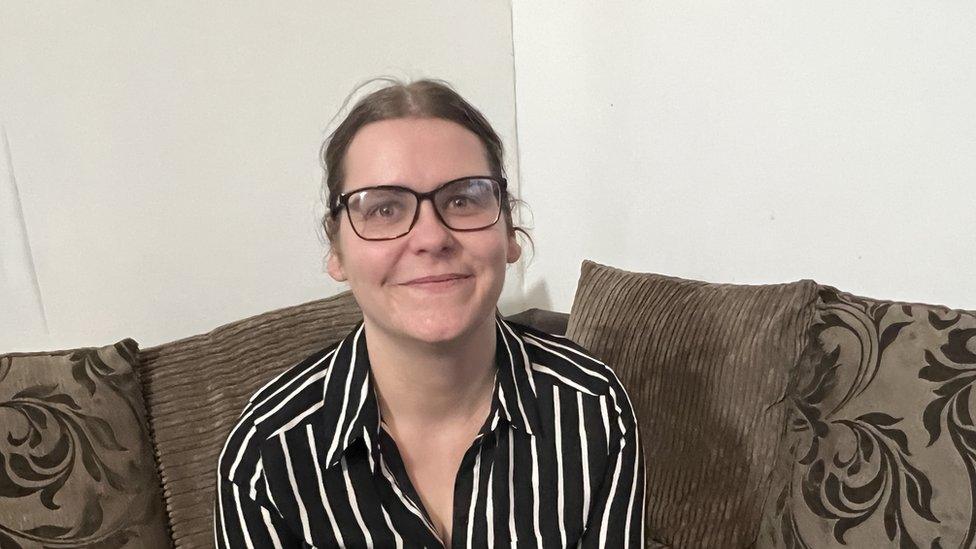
column 368, row 264
column 493, row 252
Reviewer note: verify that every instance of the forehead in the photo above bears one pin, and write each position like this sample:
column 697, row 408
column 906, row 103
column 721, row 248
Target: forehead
column 416, row 152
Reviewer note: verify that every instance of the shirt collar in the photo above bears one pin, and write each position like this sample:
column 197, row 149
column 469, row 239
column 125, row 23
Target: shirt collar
column 348, row 382
column 514, row 385
column 349, row 402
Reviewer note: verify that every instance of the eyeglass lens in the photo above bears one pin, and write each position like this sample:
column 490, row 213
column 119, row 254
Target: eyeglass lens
column 466, row 204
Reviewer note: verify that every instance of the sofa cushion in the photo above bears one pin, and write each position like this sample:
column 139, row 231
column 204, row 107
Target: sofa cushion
column 76, row 460
column 544, row 320
column 197, row 387
column 706, row 367
column 882, row 442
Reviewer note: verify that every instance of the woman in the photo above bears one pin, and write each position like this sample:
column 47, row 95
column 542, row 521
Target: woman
column 434, row 423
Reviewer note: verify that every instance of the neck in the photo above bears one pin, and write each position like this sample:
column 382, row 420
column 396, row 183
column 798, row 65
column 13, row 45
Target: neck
column 421, row 384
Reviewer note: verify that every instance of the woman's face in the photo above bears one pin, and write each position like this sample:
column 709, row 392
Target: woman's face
column 385, row 276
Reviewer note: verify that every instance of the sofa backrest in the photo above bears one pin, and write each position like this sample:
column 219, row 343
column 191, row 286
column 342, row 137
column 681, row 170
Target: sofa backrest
column 196, row 388
column 788, row 415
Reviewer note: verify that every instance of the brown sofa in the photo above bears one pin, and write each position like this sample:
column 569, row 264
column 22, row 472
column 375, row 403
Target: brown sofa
column 787, row 415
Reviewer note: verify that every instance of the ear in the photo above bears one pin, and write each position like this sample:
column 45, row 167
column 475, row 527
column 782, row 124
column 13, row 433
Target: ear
column 514, row 248
column 334, row 266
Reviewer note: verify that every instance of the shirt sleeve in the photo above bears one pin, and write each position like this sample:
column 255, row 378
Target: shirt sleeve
column 241, row 521
column 617, row 516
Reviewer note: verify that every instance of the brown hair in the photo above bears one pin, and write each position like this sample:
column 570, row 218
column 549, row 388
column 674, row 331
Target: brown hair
column 420, row 99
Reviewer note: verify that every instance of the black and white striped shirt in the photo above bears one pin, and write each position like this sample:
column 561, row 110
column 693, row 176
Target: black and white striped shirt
column 558, row 463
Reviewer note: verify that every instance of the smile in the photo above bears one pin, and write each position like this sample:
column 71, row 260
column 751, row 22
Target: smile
column 438, row 281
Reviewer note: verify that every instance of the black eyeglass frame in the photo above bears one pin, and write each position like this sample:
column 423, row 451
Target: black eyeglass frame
column 342, row 202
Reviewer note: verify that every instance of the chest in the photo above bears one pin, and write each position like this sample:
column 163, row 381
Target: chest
column 504, row 489
column 433, row 470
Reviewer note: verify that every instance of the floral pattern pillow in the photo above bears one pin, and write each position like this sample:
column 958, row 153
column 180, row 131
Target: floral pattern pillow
column 881, row 440
column 76, row 463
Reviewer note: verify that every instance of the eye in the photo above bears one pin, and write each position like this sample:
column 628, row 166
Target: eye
column 460, row 202
column 387, row 210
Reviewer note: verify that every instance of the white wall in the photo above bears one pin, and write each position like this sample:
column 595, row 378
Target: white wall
column 165, row 153
column 751, row 142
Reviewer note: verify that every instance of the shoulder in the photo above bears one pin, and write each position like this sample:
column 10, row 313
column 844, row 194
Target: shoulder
column 559, row 360
column 282, row 401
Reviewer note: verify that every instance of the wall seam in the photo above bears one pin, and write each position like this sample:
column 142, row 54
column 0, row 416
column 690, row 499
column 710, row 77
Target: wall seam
column 8, row 156
column 521, row 265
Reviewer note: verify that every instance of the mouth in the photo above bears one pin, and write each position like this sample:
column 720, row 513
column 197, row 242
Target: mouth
column 437, row 280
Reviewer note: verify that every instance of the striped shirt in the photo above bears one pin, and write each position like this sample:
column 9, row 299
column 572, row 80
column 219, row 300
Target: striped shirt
column 558, row 462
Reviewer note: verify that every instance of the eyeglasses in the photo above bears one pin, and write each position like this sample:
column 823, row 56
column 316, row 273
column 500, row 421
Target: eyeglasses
column 386, row 212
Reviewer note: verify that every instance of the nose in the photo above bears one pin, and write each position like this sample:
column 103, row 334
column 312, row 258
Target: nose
column 429, row 234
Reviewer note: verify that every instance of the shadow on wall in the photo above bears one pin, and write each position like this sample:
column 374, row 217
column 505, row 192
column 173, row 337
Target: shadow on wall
column 536, row 296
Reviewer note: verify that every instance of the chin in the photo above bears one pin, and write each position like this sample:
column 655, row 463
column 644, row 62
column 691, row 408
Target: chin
column 442, row 326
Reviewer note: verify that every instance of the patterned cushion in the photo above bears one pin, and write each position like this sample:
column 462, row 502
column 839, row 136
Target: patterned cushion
column 76, row 463
column 197, row 387
column 881, row 435
column 706, row 366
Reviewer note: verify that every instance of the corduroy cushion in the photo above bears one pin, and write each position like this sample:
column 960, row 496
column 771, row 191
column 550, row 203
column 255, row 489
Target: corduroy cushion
column 706, row 367
column 882, row 442
column 197, row 387
column 76, row 462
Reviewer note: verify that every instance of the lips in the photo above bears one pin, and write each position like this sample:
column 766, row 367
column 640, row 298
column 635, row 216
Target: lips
column 436, row 279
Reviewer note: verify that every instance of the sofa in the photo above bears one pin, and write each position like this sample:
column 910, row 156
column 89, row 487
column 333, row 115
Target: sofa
column 782, row 415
